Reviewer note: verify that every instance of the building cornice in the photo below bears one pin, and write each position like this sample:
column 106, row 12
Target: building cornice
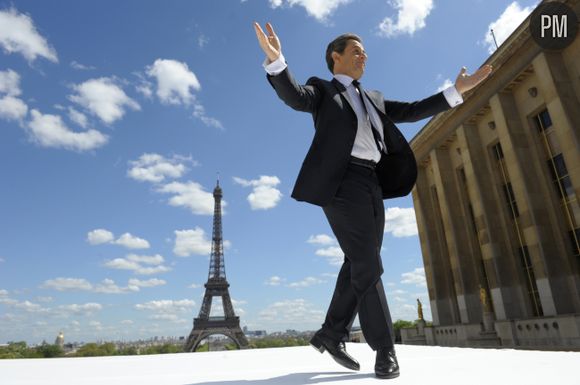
column 511, row 63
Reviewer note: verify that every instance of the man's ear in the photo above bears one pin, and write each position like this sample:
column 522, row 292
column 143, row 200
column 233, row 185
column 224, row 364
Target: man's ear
column 335, row 56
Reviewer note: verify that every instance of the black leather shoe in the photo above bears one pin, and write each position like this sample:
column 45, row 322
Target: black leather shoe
column 336, row 349
column 386, row 365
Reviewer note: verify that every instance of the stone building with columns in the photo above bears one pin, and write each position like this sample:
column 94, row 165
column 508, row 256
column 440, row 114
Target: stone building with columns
column 497, row 204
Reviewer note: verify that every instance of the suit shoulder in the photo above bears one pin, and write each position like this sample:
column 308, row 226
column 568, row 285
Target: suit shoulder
column 316, row 81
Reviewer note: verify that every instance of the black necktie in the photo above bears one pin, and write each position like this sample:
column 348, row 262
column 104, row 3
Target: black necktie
column 378, row 140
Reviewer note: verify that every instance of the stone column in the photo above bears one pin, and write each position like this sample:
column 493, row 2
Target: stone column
column 492, row 226
column 562, row 102
column 524, row 167
column 435, row 254
column 462, row 264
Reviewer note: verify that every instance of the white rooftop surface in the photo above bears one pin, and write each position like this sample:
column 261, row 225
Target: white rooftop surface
column 420, row 365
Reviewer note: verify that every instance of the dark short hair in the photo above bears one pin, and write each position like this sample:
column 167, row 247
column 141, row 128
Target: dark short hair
column 338, row 45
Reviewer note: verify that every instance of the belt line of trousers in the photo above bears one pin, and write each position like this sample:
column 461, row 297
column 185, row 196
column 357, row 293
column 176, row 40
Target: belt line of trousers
column 357, row 218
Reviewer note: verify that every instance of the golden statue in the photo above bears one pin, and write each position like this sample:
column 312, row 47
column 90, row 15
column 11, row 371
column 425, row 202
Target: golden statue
column 483, row 297
column 420, row 309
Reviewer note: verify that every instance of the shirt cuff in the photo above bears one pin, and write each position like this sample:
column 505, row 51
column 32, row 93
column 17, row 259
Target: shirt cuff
column 276, row 67
column 453, row 96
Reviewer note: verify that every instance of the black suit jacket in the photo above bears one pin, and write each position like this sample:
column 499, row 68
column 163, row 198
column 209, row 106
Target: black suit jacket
column 336, row 123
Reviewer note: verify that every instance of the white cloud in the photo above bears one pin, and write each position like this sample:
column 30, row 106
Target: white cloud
column 334, row 255
column 12, row 108
column 99, row 236
column 122, row 264
column 29, row 307
column 193, row 241
column 127, row 322
column 415, row 277
column 319, row 9
column 8, row 301
column 148, row 283
column 64, row 284
column 165, row 317
column 78, row 117
column 194, row 286
column 401, row 222
column 410, row 18
column 274, row 281
column 199, row 112
column 155, row 168
column 10, row 83
column 102, row 236
column 3, row 293
column 190, row 195
column 108, row 286
column 508, row 21
column 50, row 131
column 264, row 195
column 188, row 242
column 19, row 35
column 406, row 311
column 202, row 41
column 174, row 81
column 308, row 281
column 175, row 85
column 167, row 306
column 291, row 311
column 146, row 259
column 132, row 242
column 152, row 270
column 321, row 239
column 446, row 84
column 143, row 86
column 82, row 310
column 103, row 98
column 78, row 66
column 135, row 263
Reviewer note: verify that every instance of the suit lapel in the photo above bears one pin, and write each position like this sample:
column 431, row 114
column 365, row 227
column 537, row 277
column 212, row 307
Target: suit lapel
column 376, row 100
column 342, row 89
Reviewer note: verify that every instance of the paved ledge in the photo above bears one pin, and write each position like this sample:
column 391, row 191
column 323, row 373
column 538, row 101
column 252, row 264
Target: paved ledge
column 426, row 365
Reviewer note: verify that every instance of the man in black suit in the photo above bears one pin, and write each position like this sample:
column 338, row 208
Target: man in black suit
column 358, row 157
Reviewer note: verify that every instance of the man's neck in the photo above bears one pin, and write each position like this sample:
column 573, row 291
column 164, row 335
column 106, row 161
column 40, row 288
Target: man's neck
column 344, row 79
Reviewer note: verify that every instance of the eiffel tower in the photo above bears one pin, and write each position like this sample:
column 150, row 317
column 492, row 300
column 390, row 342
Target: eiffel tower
column 216, row 286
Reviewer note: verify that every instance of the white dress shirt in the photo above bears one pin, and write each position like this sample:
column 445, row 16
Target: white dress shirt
column 364, row 146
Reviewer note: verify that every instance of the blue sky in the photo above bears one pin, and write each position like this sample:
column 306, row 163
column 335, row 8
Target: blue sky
column 116, row 118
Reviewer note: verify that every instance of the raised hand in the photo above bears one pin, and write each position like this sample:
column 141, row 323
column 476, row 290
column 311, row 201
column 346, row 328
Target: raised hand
column 270, row 44
column 465, row 82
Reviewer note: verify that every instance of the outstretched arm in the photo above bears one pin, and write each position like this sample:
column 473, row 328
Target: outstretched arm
column 270, row 43
column 412, row 112
column 465, row 82
column 301, row 98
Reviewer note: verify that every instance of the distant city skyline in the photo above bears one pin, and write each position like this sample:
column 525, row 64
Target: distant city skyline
column 115, row 119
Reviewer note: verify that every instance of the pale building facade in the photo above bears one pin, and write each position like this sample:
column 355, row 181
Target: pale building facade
column 497, row 204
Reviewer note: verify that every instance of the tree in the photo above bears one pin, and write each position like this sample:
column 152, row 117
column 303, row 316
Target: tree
column 399, row 324
column 50, row 351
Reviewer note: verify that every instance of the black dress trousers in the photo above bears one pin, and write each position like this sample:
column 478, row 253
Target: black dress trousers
column 357, row 217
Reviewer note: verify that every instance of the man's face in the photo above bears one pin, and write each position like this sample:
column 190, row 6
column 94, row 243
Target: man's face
column 352, row 61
